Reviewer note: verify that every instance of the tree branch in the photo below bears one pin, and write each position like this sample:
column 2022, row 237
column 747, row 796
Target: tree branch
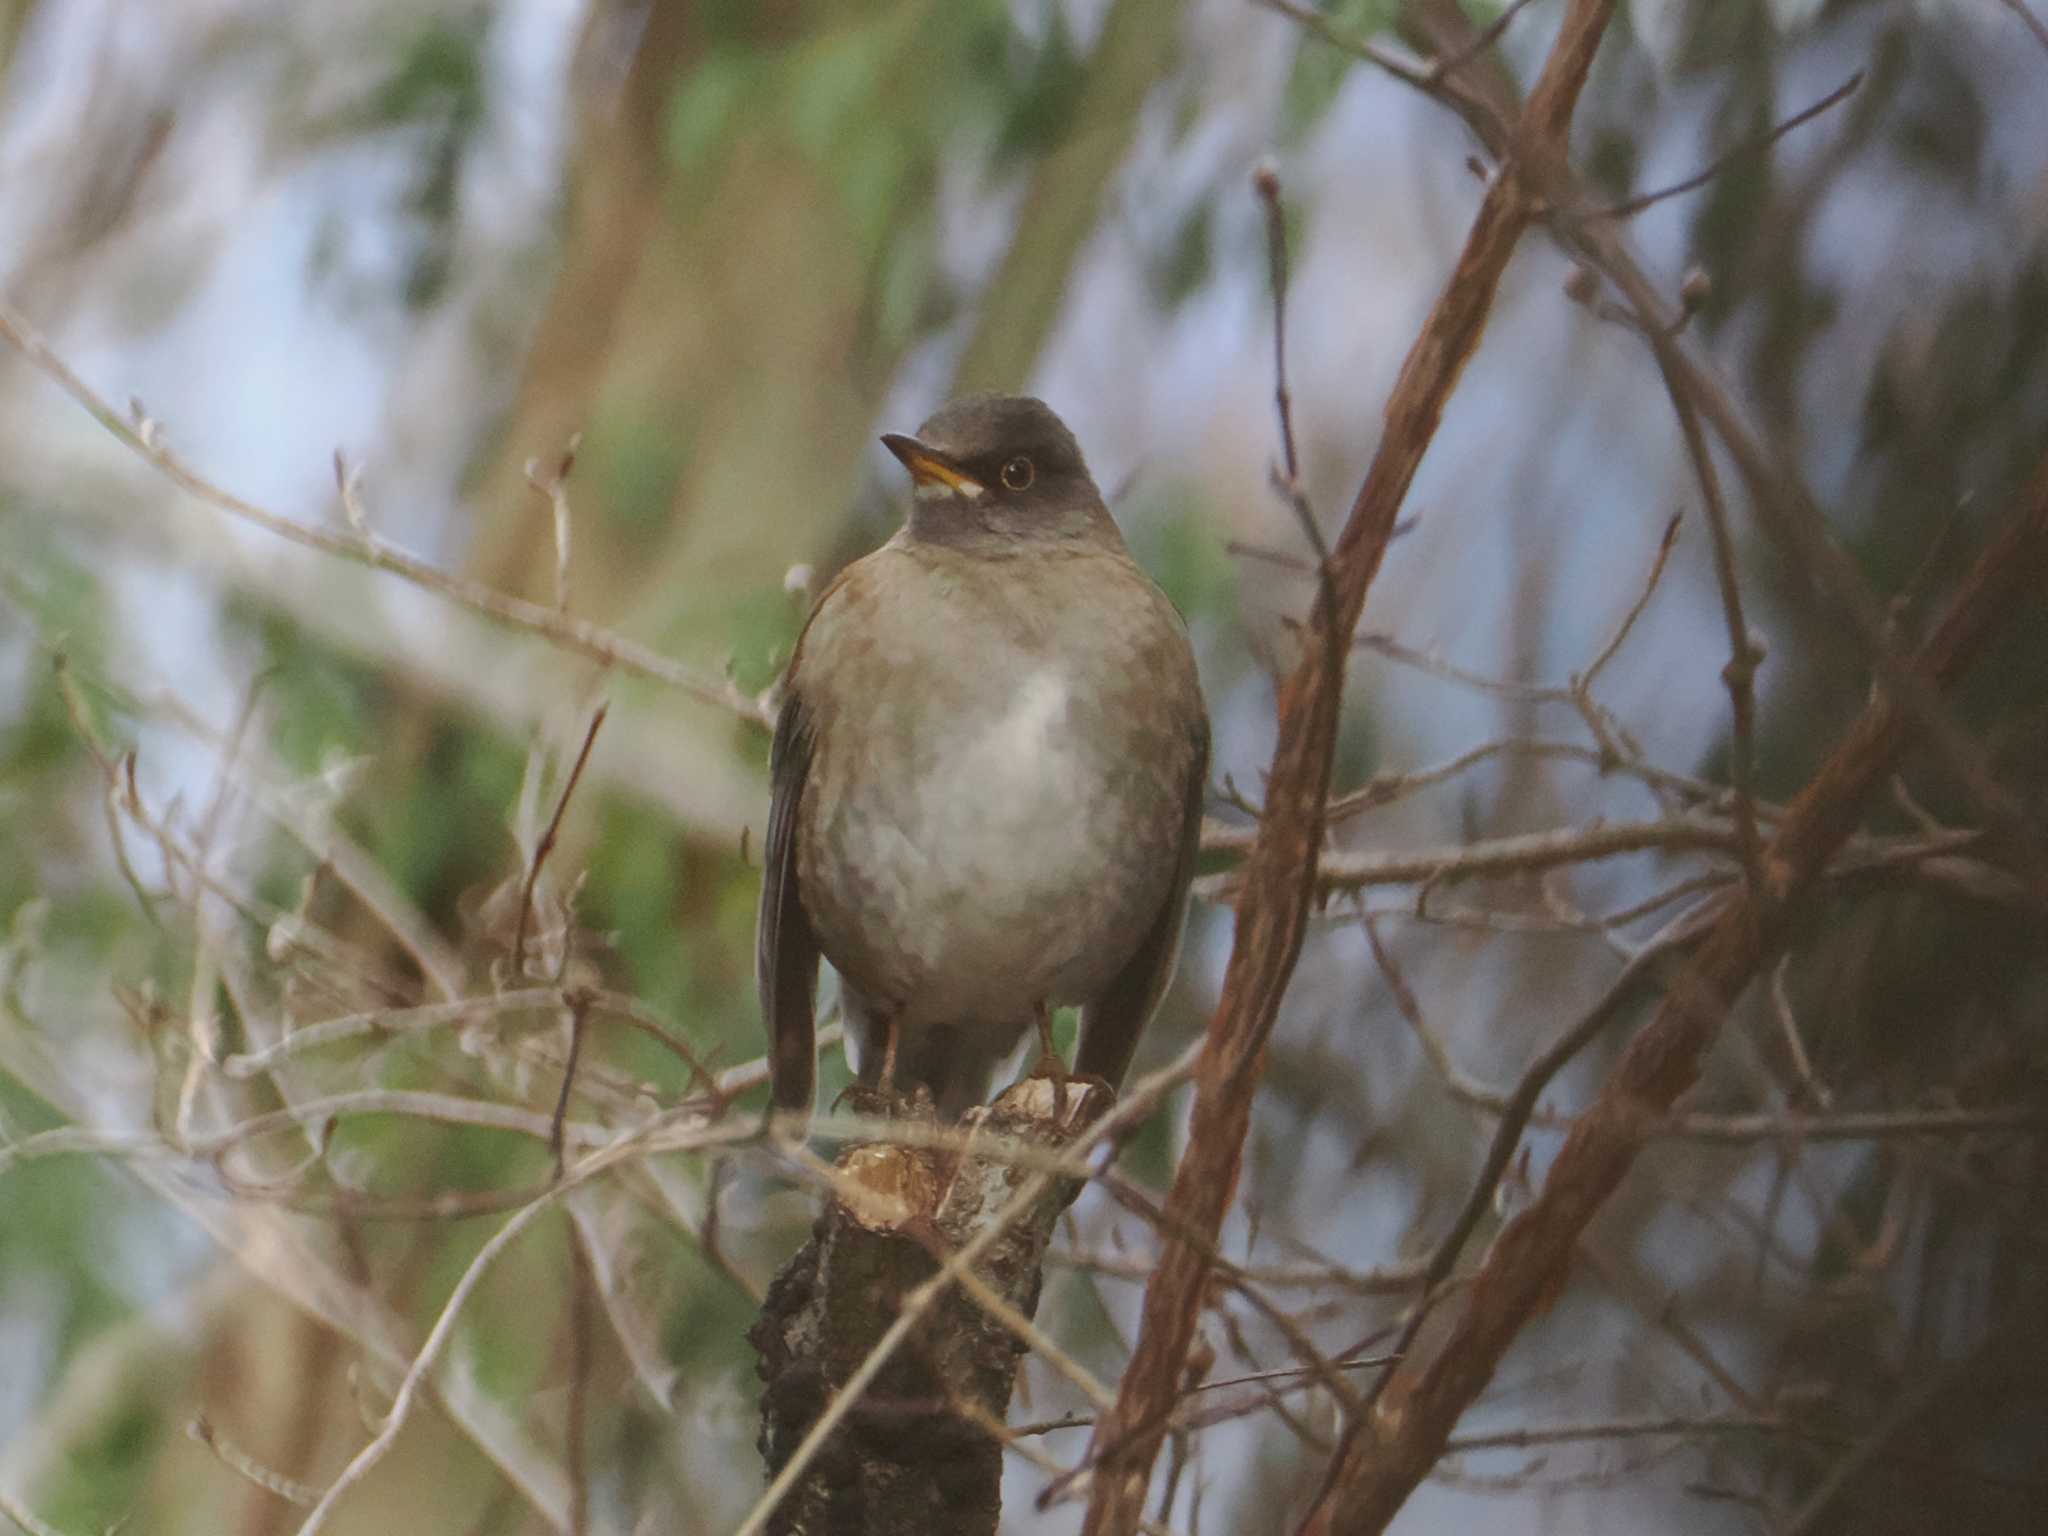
column 1386, row 1455
column 1280, row 875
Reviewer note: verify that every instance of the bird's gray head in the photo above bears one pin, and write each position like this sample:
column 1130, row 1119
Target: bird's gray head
column 998, row 467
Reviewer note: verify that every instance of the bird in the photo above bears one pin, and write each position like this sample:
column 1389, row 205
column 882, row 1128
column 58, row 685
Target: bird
column 986, row 779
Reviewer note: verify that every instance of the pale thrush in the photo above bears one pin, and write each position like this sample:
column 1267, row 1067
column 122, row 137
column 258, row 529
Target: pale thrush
column 987, row 776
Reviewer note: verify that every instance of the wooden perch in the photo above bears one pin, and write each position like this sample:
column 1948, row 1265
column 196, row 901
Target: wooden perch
column 917, row 1450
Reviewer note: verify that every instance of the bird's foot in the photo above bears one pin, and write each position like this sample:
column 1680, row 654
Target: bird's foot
column 886, row 1101
column 1052, row 1067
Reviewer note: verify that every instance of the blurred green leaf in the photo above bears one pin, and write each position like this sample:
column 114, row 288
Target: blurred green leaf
column 1039, row 113
column 1320, row 67
column 439, row 75
column 707, row 106
column 1185, row 557
column 1188, row 258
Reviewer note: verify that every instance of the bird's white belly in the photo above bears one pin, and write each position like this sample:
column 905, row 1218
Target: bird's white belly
column 994, row 880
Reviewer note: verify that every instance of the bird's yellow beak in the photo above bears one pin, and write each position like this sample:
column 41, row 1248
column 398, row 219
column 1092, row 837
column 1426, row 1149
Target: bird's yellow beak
column 932, row 474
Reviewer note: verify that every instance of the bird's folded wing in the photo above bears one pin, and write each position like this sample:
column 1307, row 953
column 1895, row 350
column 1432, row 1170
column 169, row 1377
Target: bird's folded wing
column 786, row 951
column 1111, row 1024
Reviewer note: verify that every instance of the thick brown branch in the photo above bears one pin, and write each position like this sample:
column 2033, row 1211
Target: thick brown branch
column 1280, row 875
column 915, row 1435
column 1388, row 1454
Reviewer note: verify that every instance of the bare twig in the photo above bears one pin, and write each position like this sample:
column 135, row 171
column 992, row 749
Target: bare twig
column 1266, row 182
column 1743, row 652
column 2028, row 19
column 1661, row 1310
column 1450, row 64
column 578, row 1010
column 1615, row 1429
column 554, row 488
column 1426, row 661
column 1853, row 1125
column 582, row 1344
column 1811, row 1090
column 366, row 548
column 1224, row 1272
column 243, row 1465
column 1522, row 854
column 1394, row 63
column 384, row 1022
column 118, row 769
column 1629, row 207
column 1386, row 788
column 1622, row 631
column 25, row 1517
column 546, row 845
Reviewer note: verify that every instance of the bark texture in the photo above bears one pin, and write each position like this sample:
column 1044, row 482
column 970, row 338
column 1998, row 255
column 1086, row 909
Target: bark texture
column 918, row 1452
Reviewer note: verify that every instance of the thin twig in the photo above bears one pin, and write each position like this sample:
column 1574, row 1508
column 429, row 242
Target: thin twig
column 417, row 1103
column 1607, row 652
column 1661, row 1310
column 2028, row 19
column 1616, row 1429
column 119, row 772
column 1385, row 788
column 1291, row 1376
column 1524, row 853
column 546, row 845
column 1170, row 1225
column 1266, row 182
column 554, row 489
column 382, row 1022
column 25, row 1517
column 577, row 1011
column 1450, row 64
column 1812, row 1091
column 1629, row 207
column 1858, row 1125
column 582, row 1347
column 1743, row 652
column 243, row 1465
column 1425, row 661
column 1386, row 1280
column 1401, row 68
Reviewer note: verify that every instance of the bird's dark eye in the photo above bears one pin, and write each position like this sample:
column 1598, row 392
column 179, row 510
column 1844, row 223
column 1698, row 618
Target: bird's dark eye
column 1018, row 473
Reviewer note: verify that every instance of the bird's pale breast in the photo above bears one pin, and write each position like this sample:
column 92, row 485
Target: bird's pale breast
column 1002, row 828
